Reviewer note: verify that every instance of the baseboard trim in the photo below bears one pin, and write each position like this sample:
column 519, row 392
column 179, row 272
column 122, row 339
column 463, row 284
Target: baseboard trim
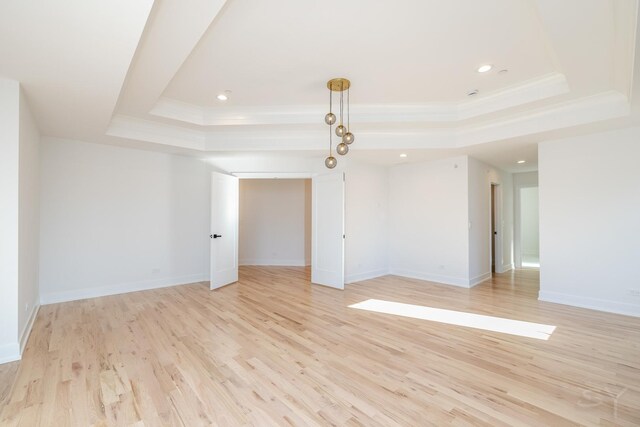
column 123, row 288
column 9, row 352
column 591, row 303
column 479, row 279
column 26, row 332
column 274, row 262
column 445, row 280
column 365, row 276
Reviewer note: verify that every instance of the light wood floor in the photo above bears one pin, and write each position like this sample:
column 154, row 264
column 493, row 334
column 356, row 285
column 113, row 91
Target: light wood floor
column 274, row 350
column 8, row 372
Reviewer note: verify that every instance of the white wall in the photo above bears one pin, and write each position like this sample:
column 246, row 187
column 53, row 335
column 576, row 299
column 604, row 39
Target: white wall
column 529, row 222
column 366, row 221
column 428, row 221
column 115, row 220
column 520, row 181
column 19, row 195
column 275, row 222
column 9, row 190
column 590, row 220
column 481, row 176
column 29, row 221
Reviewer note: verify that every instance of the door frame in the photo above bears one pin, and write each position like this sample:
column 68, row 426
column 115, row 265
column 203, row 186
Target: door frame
column 283, row 175
column 293, row 175
column 517, row 221
column 275, row 175
column 496, row 209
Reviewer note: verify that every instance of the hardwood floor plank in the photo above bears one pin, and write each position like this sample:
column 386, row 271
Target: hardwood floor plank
column 8, row 374
column 275, row 350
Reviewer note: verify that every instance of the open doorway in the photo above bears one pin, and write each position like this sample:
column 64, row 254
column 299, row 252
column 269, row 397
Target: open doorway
column 274, row 222
column 526, row 227
column 529, row 232
column 322, row 234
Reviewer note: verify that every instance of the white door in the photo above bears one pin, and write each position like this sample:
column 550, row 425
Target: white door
column 224, row 230
column 327, row 248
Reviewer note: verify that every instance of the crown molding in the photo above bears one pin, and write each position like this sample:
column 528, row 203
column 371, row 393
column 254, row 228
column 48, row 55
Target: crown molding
column 537, row 89
column 273, row 175
column 602, row 106
column 160, row 133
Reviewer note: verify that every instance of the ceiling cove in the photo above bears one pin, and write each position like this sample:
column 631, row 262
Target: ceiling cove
column 148, row 74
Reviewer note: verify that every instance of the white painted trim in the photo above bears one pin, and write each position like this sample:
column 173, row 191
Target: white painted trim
column 598, row 107
column 159, row 133
column 591, row 303
column 365, row 276
column 123, row 288
column 274, row 262
column 479, row 279
column 497, row 209
column 273, row 175
column 446, row 280
column 9, row 352
column 547, row 86
column 24, row 335
column 536, row 89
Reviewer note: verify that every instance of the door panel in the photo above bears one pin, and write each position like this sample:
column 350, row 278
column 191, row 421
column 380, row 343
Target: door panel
column 224, row 230
column 327, row 265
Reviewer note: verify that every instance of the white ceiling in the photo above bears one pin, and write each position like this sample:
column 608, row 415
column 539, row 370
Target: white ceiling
column 411, row 62
column 71, row 58
column 395, row 53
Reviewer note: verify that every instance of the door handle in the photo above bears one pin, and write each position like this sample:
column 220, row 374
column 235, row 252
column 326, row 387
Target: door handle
column 214, row 236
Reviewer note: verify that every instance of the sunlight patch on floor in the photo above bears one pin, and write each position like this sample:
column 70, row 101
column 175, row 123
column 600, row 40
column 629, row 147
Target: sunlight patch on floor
column 459, row 318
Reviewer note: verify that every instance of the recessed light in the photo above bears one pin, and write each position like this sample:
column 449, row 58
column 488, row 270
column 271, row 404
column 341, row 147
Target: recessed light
column 223, row 97
column 484, row 68
column 522, row 161
column 403, row 155
column 504, row 71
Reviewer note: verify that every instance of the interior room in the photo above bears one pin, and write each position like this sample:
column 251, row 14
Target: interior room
column 348, row 213
column 275, row 222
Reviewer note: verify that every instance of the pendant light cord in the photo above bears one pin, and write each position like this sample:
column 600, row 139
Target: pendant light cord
column 341, row 103
column 330, row 140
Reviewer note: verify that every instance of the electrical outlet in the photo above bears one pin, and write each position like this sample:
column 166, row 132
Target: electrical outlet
column 633, row 292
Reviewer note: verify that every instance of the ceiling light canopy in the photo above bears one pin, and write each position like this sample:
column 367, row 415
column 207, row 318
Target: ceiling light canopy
column 338, row 85
column 484, row 68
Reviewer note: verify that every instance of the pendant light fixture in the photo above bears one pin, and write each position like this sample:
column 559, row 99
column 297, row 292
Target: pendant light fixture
column 346, row 137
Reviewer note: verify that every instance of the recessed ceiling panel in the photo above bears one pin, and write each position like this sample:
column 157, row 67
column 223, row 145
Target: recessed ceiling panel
column 408, row 51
